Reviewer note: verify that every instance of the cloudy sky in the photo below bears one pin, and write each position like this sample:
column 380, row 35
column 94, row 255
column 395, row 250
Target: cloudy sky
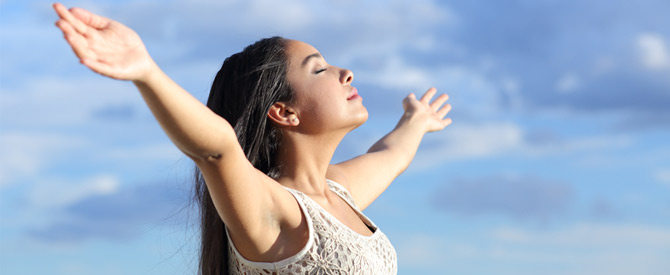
column 558, row 160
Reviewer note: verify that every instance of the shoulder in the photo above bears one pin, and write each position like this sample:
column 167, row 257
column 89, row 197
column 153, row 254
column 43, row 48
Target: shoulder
column 336, row 174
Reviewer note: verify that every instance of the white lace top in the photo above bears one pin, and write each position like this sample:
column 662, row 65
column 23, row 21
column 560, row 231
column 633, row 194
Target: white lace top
column 332, row 247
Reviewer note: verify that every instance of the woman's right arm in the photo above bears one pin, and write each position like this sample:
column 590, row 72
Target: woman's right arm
column 112, row 49
column 244, row 197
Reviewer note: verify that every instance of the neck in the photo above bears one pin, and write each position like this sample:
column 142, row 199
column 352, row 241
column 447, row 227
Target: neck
column 305, row 159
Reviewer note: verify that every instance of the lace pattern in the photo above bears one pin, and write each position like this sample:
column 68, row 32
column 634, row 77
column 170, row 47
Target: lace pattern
column 332, row 247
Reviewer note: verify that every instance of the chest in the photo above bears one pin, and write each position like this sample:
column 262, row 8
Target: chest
column 338, row 212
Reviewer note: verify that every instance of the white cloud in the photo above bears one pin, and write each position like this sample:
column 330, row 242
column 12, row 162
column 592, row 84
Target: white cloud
column 469, row 89
column 662, row 176
column 610, row 159
column 588, row 234
column 568, row 83
column 525, row 198
column 420, row 249
column 579, row 144
column 468, row 141
column 425, row 250
column 48, row 193
column 511, row 87
column 161, row 151
column 474, row 141
column 26, row 154
column 47, row 101
column 238, row 16
column 654, row 52
column 603, row 65
column 394, row 20
column 586, row 248
column 397, row 75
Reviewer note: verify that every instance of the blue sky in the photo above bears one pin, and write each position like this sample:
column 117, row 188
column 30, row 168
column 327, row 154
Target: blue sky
column 558, row 160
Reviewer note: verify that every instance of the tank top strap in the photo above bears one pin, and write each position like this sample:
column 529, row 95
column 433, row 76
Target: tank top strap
column 343, row 192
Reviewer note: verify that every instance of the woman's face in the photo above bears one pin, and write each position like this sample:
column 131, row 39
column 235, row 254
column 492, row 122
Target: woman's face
column 323, row 96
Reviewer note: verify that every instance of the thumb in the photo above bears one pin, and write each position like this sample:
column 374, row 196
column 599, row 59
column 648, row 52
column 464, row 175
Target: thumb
column 408, row 101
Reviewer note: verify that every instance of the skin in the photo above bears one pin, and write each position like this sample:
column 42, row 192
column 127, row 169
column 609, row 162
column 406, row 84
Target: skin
column 313, row 124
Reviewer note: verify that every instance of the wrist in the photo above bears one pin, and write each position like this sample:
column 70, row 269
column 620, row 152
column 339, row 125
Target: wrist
column 149, row 75
column 414, row 122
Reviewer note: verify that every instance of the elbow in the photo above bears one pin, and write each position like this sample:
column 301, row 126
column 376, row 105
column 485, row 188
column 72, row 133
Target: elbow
column 204, row 157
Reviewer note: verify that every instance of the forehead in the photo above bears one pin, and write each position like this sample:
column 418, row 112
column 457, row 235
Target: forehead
column 297, row 51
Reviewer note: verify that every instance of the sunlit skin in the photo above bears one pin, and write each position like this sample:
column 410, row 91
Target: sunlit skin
column 322, row 91
column 264, row 220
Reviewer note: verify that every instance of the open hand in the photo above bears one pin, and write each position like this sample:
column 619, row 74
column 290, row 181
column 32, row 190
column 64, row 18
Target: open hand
column 105, row 46
column 431, row 114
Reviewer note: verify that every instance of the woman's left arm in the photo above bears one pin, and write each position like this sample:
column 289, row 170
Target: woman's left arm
column 368, row 175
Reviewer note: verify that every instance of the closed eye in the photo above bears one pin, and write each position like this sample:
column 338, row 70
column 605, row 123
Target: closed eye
column 320, row 70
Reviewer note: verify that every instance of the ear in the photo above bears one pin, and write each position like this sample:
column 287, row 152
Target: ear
column 283, row 115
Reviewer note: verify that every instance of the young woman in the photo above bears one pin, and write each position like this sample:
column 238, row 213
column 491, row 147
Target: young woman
column 271, row 202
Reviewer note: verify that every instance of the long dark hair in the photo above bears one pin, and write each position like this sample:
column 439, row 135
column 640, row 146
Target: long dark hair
column 244, row 89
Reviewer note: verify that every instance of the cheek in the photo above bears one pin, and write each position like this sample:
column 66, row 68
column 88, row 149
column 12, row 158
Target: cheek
column 317, row 102
column 322, row 109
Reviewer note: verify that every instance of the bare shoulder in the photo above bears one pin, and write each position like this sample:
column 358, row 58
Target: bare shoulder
column 337, row 174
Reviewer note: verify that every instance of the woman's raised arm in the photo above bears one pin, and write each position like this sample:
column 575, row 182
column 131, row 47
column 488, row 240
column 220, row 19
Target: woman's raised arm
column 114, row 50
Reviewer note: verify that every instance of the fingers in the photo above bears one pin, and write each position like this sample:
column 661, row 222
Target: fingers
column 66, row 15
column 435, row 105
column 89, row 18
column 412, row 96
column 443, row 111
column 76, row 40
column 428, row 95
column 446, row 122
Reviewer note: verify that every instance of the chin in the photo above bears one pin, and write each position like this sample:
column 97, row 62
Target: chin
column 361, row 118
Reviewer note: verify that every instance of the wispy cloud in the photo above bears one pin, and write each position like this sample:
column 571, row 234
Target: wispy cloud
column 523, row 198
column 125, row 112
column 26, row 154
column 584, row 248
column 662, row 175
column 116, row 214
column 463, row 141
column 654, row 51
column 56, row 193
column 590, row 248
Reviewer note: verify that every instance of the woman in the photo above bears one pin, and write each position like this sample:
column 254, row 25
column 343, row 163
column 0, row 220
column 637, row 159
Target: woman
column 271, row 202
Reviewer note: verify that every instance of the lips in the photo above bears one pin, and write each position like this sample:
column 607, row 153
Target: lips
column 353, row 94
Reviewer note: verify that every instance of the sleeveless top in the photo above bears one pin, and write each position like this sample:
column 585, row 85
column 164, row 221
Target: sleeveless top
column 332, row 247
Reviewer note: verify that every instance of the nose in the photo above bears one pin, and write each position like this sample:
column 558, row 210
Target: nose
column 346, row 76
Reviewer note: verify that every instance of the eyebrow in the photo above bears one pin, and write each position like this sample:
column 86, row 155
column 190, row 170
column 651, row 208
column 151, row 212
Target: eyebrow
column 314, row 55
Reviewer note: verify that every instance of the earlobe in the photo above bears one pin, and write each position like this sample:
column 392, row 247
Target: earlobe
column 282, row 115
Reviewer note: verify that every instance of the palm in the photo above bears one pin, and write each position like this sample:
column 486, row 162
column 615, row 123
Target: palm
column 104, row 45
column 430, row 113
